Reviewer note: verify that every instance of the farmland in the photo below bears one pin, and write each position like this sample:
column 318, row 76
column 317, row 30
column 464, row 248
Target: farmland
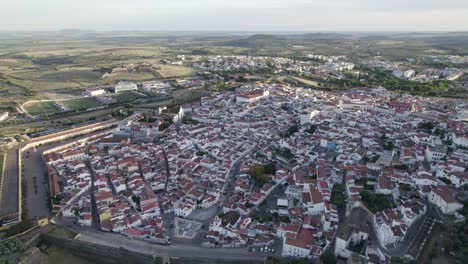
column 170, row 71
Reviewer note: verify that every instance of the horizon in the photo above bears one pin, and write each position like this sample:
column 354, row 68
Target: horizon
column 241, row 15
column 251, row 32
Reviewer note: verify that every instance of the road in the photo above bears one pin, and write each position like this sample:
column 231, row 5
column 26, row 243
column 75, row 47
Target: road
column 179, row 250
column 94, row 211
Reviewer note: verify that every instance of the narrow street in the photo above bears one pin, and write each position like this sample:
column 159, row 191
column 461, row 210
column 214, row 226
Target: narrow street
column 94, row 212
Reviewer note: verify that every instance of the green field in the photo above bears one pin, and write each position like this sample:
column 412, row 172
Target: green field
column 82, row 104
column 126, row 97
column 41, row 108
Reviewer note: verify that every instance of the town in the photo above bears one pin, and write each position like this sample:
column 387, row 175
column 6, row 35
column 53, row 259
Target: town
column 273, row 167
column 147, row 147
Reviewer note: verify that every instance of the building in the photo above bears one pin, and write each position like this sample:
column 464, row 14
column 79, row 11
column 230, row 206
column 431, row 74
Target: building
column 252, row 96
column 125, row 86
column 443, row 198
column 296, row 248
column 404, row 74
column 94, row 91
column 3, row 116
column 390, row 229
column 355, row 229
column 294, row 192
column 458, row 139
column 435, row 153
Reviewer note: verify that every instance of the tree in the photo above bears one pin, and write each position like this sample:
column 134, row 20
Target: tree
column 375, row 202
column 428, row 126
column 388, row 146
column 337, row 196
column 136, row 200
column 311, row 129
column 258, row 174
column 293, row 129
column 165, row 124
column 328, row 257
column 270, row 168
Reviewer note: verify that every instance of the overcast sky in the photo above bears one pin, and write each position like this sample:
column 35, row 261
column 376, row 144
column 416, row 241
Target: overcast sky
column 235, row 15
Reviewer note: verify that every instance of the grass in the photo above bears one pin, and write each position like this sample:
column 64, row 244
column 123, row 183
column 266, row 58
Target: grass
column 128, row 76
column 44, row 85
column 126, row 97
column 187, row 95
column 72, row 75
column 56, row 254
column 41, row 108
column 305, row 81
column 62, row 232
column 147, row 52
column 170, row 71
column 53, row 254
column 82, row 104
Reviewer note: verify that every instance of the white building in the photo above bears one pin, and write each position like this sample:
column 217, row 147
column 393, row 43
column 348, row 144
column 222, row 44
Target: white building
column 252, row 96
column 390, row 229
column 460, row 140
column 442, row 197
column 94, row 91
column 435, row 153
column 293, row 192
column 3, row 116
column 404, row 74
column 184, row 208
column 125, row 86
column 295, row 248
column 355, row 229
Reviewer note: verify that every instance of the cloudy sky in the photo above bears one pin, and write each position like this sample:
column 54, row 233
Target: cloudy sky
column 235, row 15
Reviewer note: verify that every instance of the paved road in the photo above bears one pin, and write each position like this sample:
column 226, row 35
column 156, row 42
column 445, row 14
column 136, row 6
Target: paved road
column 94, row 211
column 179, row 250
column 9, row 203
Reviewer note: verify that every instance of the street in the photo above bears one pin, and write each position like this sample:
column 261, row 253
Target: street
column 178, row 250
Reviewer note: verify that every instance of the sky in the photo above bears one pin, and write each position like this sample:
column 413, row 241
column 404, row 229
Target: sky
column 235, row 15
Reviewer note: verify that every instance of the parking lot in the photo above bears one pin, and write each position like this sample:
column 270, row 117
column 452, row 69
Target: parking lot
column 37, row 199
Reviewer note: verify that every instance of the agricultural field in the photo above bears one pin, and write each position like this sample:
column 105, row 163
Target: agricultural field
column 305, row 81
column 170, row 71
column 127, row 76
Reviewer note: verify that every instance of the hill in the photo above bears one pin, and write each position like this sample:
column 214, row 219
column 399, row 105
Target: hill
column 259, row 41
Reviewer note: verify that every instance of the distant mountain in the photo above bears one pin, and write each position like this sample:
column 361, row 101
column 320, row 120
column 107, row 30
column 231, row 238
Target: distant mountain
column 259, row 41
column 323, row 36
